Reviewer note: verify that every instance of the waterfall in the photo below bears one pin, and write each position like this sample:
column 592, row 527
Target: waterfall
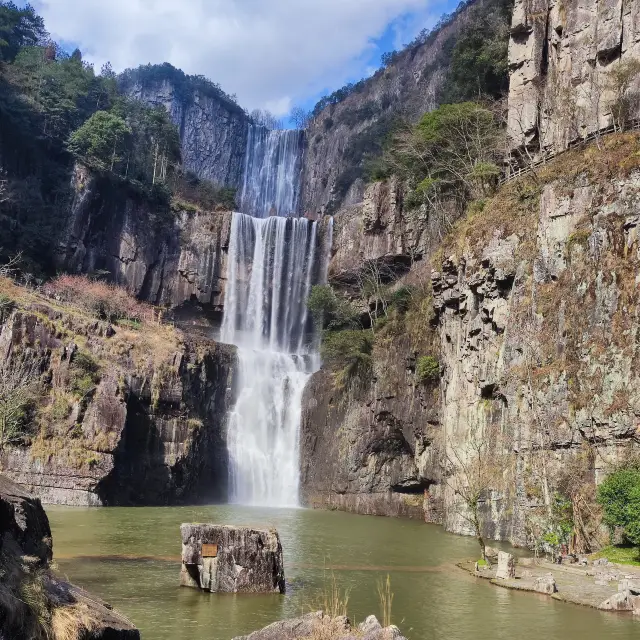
column 272, row 265
column 273, row 164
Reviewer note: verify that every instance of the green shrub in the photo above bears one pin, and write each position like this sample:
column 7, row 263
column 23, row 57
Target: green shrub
column 329, row 311
column 84, row 373
column 619, row 496
column 350, row 352
column 427, row 369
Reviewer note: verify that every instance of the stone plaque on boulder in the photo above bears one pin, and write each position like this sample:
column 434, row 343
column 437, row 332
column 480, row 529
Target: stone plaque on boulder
column 222, row 558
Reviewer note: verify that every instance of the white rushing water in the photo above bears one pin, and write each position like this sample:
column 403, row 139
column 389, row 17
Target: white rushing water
column 273, row 163
column 273, row 263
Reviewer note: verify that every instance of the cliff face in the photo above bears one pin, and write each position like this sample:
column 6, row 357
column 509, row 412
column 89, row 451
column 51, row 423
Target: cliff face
column 162, row 256
column 124, row 415
column 213, row 131
column 342, row 133
column 532, row 315
column 564, row 57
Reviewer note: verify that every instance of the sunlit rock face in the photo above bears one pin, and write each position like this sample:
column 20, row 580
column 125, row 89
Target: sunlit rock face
column 563, row 57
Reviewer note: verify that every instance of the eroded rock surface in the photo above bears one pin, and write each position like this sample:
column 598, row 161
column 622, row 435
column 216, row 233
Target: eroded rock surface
column 228, row 559
column 562, row 55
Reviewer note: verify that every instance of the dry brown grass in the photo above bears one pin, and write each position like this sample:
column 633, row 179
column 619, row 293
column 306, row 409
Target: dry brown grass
column 72, row 622
column 106, row 301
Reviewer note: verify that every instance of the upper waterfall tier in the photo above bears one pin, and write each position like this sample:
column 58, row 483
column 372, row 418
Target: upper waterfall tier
column 273, row 167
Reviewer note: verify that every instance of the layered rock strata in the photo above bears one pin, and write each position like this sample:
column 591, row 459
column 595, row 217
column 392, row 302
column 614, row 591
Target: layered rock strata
column 143, row 422
column 165, row 257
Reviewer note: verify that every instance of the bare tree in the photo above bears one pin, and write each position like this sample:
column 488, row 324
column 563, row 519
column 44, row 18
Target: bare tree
column 300, row 117
column 624, row 102
column 472, row 470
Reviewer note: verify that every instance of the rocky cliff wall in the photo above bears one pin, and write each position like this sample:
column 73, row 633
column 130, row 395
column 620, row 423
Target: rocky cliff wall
column 124, row 415
column 532, row 313
column 164, row 256
column 342, row 133
column 213, row 131
column 563, row 57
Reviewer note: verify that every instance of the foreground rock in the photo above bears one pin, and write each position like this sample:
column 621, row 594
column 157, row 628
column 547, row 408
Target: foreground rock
column 34, row 603
column 231, row 559
column 318, row 625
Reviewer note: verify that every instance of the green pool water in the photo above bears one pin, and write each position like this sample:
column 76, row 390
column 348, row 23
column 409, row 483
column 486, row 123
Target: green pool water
column 130, row 557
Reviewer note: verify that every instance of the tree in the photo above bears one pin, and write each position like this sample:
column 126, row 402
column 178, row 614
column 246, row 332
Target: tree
column 619, row 496
column 450, row 157
column 19, row 27
column 300, row 117
column 19, row 382
column 472, row 470
column 625, row 101
column 100, row 141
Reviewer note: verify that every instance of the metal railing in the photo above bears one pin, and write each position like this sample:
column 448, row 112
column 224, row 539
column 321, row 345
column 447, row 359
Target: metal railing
column 521, row 170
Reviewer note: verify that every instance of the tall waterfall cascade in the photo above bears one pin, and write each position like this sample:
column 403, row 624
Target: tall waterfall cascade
column 272, row 264
column 273, row 165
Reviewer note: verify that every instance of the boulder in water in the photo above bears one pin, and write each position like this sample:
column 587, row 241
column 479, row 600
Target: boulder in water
column 318, row 625
column 222, row 558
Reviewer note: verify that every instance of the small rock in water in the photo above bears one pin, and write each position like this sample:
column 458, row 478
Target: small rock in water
column 231, row 559
column 506, row 566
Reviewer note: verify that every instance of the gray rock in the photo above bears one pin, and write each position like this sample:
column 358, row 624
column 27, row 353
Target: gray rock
column 317, row 625
column 621, row 601
column 26, row 548
column 506, row 566
column 630, row 584
column 246, row 560
column 545, row 584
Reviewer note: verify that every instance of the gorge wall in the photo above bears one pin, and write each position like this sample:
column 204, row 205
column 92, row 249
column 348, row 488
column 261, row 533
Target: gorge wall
column 213, row 128
column 342, row 135
column 164, row 256
column 126, row 415
column 532, row 313
column 565, row 59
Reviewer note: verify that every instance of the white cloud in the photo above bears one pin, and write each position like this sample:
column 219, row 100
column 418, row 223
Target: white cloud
column 268, row 52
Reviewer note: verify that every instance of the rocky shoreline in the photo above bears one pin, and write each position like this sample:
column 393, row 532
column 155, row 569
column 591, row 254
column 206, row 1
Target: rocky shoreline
column 599, row 584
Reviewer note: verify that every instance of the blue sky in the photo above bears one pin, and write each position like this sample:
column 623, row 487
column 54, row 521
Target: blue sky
column 273, row 54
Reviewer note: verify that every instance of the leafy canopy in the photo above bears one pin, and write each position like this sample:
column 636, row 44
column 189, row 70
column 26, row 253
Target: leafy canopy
column 619, row 496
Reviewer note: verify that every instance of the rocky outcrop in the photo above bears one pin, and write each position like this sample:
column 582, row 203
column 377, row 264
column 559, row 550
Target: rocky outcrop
column 342, row 133
column 51, row 603
column 534, row 327
column 318, row 625
column 228, row 559
column 213, row 129
column 563, row 57
column 132, row 416
column 165, row 257
column 378, row 229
